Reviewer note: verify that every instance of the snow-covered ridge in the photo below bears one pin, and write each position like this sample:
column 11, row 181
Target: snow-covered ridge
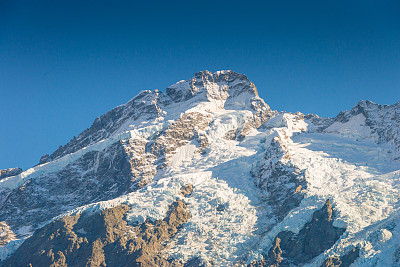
column 16, row 181
column 255, row 172
column 220, row 85
column 346, row 164
column 223, row 88
column 372, row 121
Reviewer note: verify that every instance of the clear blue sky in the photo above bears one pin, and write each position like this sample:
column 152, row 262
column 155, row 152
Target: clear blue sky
column 63, row 63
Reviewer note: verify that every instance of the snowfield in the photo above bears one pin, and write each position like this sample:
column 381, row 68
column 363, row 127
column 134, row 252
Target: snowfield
column 232, row 222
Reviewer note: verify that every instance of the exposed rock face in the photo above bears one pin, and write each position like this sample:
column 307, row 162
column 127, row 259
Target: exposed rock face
column 343, row 261
column 250, row 166
column 284, row 182
column 147, row 105
column 103, row 239
column 9, row 172
column 221, row 85
column 122, row 167
column 142, row 165
column 261, row 114
column 96, row 176
column 316, row 237
column 6, row 234
column 384, row 120
column 319, row 123
column 195, row 262
column 186, row 190
column 189, row 126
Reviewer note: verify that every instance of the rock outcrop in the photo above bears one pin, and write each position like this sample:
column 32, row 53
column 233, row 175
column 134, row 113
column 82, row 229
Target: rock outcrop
column 145, row 106
column 186, row 128
column 6, row 234
column 257, row 175
column 103, row 239
column 10, row 172
column 343, row 261
column 96, row 176
column 318, row 235
column 383, row 120
column 186, row 190
column 148, row 105
column 284, row 182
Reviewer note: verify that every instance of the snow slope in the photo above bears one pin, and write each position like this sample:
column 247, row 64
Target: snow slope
column 351, row 160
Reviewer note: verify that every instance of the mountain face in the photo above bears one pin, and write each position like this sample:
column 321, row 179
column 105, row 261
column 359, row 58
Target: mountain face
column 10, row 172
column 206, row 174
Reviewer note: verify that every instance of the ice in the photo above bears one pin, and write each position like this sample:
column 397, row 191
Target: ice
column 231, row 219
column 183, row 154
column 8, row 249
column 13, row 182
column 358, row 176
column 348, row 167
column 219, row 177
column 355, row 128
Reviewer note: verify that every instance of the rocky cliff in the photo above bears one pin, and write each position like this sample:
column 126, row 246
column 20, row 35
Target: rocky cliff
column 207, row 174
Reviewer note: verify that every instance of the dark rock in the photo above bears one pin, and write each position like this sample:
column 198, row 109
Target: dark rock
column 96, row 176
column 6, row 234
column 343, row 261
column 320, row 123
column 186, row 190
column 10, row 172
column 236, row 84
column 178, row 134
column 316, row 236
column 221, row 207
column 195, row 262
column 149, row 105
column 384, row 120
column 103, row 239
column 46, row 158
column 146, row 105
column 284, row 182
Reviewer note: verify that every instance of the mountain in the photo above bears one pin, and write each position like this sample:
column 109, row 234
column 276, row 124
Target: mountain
column 207, row 174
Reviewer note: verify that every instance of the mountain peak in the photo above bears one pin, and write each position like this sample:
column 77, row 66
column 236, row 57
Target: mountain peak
column 211, row 142
column 220, row 85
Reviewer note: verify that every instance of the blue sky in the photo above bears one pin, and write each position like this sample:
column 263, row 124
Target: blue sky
column 63, row 63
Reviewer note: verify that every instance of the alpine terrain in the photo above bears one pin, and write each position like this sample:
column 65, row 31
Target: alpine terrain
column 207, row 174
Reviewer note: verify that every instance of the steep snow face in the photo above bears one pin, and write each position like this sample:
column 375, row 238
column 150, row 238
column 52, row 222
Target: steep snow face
column 222, row 89
column 362, row 180
column 218, row 86
column 225, row 205
column 10, row 172
column 154, row 144
column 355, row 127
column 255, row 173
column 346, row 165
column 382, row 121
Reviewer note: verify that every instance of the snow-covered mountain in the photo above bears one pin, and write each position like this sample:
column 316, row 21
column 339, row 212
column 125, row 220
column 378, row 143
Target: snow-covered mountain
column 206, row 174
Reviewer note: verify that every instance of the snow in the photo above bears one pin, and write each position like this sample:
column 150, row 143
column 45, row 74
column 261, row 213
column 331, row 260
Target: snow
column 344, row 164
column 348, row 167
column 183, row 154
column 359, row 178
column 220, row 177
column 8, row 249
column 354, row 128
column 13, row 182
column 356, row 174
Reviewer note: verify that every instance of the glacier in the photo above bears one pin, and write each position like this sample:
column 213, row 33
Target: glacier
column 351, row 159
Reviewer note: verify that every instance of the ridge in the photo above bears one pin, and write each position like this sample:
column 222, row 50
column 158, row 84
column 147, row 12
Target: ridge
column 230, row 89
